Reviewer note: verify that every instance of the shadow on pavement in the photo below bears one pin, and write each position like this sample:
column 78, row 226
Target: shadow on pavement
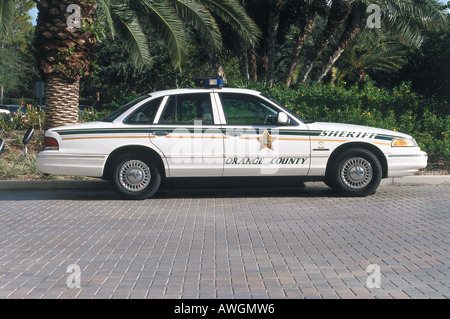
column 187, row 188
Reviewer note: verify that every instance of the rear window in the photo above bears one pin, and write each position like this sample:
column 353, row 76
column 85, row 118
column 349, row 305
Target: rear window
column 145, row 114
column 111, row 117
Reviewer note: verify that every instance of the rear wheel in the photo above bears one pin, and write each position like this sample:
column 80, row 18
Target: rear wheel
column 356, row 172
column 135, row 177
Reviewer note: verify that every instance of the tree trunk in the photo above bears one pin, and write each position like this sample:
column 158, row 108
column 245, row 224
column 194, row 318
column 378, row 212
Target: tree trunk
column 340, row 10
column 361, row 76
column 353, row 26
column 243, row 60
column 215, row 63
column 253, row 65
column 65, row 55
column 274, row 24
column 61, row 95
column 302, row 36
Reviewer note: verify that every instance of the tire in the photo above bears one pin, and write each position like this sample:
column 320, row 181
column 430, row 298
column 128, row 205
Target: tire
column 135, row 177
column 357, row 172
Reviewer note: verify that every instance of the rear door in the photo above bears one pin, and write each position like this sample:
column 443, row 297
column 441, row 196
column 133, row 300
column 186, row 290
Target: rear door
column 187, row 131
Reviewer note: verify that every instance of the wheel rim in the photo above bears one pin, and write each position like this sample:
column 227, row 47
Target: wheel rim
column 357, row 173
column 134, row 176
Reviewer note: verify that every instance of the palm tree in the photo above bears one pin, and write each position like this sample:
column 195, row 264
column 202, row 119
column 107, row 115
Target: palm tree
column 66, row 54
column 7, row 9
column 277, row 19
column 382, row 54
column 340, row 10
column 313, row 8
column 353, row 25
column 404, row 17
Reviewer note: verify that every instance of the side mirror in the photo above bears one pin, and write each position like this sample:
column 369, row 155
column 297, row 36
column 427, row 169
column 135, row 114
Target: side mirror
column 2, row 146
column 26, row 138
column 283, row 119
column 28, row 135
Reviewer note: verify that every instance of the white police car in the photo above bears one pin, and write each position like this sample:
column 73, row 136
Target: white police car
column 224, row 132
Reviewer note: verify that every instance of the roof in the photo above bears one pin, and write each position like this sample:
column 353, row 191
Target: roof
column 203, row 90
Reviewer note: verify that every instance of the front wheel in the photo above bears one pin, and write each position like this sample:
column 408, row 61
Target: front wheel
column 356, row 172
column 134, row 177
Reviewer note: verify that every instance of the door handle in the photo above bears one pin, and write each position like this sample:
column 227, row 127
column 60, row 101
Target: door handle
column 235, row 134
column 160, row 133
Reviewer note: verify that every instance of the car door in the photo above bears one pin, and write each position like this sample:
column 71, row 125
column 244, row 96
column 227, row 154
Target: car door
column 256, row 144
column 187, row 132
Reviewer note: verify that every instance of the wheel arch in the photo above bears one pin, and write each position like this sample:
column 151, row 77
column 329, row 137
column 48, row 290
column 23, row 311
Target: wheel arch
column 370, row 147
column 134, row 149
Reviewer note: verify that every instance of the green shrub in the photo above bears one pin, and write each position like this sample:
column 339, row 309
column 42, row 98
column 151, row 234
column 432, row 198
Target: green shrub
column 34, row 116
column 399, row 110
column 89, row 115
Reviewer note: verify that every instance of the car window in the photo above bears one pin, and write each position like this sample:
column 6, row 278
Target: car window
column 243, row 109
column 146, row 113
column 111, row 117
column 188, row 108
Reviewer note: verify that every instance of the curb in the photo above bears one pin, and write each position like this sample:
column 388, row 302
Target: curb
column 421, row 180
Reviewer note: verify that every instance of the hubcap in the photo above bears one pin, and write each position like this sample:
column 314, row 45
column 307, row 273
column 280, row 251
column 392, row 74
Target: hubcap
column 356, row 173
column 134, row 176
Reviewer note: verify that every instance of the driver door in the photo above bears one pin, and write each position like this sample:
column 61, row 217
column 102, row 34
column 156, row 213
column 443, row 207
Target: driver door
column 256, row 144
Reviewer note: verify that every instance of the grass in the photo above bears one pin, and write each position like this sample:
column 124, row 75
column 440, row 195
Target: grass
column 15, row 166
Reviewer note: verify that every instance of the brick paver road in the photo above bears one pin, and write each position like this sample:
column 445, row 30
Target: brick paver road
column 226, row 243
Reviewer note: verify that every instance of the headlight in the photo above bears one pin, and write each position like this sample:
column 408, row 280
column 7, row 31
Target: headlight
column 406, row 142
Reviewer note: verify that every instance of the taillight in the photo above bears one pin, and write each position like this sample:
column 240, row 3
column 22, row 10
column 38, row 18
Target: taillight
column 51, row 144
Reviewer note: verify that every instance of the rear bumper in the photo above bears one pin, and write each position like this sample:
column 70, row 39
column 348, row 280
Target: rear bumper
column 49, row 162
column 406, row 164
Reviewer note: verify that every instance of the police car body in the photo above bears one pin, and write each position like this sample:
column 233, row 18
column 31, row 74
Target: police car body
column 224, row 132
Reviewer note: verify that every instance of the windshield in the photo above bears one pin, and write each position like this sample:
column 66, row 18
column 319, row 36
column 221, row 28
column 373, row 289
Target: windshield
column 288, row 111
column 111, row 117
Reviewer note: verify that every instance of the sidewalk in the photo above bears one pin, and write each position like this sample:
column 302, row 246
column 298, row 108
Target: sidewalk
column 420, row 180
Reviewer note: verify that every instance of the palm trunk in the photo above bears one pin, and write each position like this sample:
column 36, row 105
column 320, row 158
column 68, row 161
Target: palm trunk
column 351, row 31
column 274, row 24
column 243, row 60
column 65, row 55
column 253, row 65
column 215, row 62
column 340, row 10
column 302, row 36
column 62, row 97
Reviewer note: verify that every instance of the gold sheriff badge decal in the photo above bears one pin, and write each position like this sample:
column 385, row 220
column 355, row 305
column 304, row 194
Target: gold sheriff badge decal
column 266, row 141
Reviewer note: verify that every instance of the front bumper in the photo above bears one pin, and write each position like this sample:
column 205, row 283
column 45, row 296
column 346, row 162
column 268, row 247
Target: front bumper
column 406, row 164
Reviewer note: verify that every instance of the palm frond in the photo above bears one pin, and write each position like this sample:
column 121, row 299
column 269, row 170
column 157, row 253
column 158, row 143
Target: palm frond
column 410, row 17
column 128, row 28
column 164, row 18
column 7, row 11
column 201, row 19
column 232, row 13
column 105, row 9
